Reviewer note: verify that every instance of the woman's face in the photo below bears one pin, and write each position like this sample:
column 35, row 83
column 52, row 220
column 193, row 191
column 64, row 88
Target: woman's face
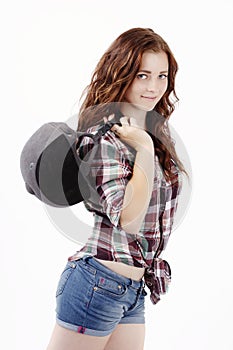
column 150, row 83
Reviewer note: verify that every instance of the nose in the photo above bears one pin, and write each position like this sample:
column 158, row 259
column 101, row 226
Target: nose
column 152, row 85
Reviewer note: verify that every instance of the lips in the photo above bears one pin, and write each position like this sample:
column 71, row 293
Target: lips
column 150, row 98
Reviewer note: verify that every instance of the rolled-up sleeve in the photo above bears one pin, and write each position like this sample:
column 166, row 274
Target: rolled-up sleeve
column 110, row 172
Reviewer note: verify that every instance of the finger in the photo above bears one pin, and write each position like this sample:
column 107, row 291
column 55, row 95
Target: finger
column 124, row 120
column 133, row 121
column 115, row 128
column 109, row 118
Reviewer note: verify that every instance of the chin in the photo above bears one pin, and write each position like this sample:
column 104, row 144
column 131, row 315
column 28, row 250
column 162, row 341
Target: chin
column 144, row 108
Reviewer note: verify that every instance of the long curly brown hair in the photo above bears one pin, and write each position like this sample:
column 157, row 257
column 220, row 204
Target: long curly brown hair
column 112, row 77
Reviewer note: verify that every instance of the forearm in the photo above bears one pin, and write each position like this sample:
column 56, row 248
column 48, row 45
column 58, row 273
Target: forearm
column 138, row 191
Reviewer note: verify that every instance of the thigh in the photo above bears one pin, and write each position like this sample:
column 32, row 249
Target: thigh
column 65, row 339
column 127, row 337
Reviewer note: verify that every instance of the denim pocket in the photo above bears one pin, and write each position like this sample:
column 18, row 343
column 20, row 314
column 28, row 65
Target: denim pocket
column 109, row 287
column 69, row 268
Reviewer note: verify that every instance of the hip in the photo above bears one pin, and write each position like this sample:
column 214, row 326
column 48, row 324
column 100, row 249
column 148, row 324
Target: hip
column 132, row 272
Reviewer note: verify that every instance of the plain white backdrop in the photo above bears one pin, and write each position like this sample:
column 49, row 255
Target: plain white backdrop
column 49, row 49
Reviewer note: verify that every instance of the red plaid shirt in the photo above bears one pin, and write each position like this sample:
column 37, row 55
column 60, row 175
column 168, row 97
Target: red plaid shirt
column 112, row 167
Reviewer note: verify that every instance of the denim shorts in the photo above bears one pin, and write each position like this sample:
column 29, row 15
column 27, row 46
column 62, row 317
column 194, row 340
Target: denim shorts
column 92, row 299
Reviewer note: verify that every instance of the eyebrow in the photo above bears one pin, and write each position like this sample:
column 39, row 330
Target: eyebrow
column 149, row 72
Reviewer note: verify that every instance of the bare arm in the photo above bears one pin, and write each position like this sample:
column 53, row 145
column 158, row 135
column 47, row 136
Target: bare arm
column 139, row 188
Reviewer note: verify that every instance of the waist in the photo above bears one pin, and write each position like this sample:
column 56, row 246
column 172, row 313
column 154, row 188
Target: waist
column 132, row 272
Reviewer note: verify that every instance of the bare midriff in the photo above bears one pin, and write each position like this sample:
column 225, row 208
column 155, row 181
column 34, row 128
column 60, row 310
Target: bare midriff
column 132, row 272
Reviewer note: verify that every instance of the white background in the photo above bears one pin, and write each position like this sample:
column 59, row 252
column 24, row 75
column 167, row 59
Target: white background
column 48, row 51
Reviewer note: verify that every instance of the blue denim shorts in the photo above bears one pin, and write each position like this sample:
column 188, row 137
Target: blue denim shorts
column 92, row 299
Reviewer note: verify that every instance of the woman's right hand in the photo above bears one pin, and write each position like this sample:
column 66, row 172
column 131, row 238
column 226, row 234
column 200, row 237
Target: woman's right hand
column 132, row 134
column 139, row 188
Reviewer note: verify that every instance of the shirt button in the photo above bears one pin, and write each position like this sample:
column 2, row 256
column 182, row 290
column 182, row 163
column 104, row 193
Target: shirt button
column 119, row 286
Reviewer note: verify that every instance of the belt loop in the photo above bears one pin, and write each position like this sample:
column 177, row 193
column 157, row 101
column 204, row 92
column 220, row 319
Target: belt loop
column 86, row 258
column 142, row 286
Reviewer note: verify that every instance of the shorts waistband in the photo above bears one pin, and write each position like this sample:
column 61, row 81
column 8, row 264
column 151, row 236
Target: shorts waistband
column 121, row 279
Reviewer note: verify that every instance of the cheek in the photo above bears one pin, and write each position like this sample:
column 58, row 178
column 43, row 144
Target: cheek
column 164, row 88
column 127, row 96
column 130, row 93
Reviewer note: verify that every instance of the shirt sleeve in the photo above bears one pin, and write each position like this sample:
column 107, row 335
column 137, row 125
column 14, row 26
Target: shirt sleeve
column 171, row 193
column 110, row 171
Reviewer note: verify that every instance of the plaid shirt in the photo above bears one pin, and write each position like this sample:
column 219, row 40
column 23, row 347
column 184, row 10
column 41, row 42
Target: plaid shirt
column 111, row 163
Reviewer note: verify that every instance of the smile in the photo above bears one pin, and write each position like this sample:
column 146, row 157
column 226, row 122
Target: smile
column 149, row 98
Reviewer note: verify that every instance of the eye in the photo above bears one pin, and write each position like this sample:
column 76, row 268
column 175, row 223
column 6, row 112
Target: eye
column 142, row 76
column 163, row 76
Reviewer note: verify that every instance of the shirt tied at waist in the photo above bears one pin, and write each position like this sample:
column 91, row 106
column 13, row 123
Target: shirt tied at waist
column 157, row 278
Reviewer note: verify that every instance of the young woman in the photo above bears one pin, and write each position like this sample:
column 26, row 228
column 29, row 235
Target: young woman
column 137, row 180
